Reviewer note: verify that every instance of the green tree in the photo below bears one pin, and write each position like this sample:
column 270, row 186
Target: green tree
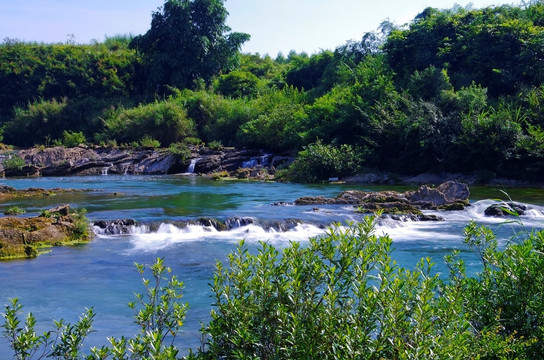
column 188, row 39
column 165, row 122
column 237, row 84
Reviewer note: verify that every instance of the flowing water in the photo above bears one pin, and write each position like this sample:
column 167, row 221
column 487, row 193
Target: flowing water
column 101, row 274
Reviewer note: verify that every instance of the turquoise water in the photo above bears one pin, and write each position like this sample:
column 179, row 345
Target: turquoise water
column 101, row 274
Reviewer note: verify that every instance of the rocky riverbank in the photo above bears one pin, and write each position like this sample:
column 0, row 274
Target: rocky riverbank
column 61, row 161
column 25, row 237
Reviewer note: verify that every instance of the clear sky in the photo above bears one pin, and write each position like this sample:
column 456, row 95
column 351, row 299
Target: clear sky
column 274, row 25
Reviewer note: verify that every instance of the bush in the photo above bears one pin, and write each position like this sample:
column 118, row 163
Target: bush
column 148, row 142
column 73, row 139
column 14, row 210
column 158, row 312
column 180, row 149
column 13, row 162
column 165, row 121
column 318, row 162
column 340, row 297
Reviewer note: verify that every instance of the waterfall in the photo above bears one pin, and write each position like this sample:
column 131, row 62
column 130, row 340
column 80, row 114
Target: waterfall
column 191, row 168
column 105, row 170
column 250, row 163
column 256, row 161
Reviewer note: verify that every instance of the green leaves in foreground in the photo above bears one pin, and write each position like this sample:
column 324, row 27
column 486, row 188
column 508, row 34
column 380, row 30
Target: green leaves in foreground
column 64, row 342
column 340, row 297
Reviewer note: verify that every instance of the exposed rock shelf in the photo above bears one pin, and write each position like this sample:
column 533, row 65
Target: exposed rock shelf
column 60, row 161
column 451, row 195
column 23, row 237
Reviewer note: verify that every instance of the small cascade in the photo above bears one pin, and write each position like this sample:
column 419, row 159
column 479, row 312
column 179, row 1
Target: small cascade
column 191, row 168
column 264, row 160
column 251, row 163
column 116, row 227
column 256, row 161
column 234, row 223
column 106, row 169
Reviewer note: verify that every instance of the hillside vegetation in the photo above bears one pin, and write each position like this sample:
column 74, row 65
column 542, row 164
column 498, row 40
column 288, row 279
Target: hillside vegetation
column 455, row 90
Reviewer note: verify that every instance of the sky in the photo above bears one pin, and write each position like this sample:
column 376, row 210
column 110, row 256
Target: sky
column 274, row 25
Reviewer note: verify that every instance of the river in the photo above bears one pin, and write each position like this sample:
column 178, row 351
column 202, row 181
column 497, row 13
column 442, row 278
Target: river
column 101, row 274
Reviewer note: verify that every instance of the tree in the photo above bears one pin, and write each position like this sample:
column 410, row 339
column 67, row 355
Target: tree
column 188, row 40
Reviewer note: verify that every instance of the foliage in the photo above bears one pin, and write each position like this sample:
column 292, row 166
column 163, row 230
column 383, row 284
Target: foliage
column 148, row 142
column 13, row 162
column 164, row 121
column 158, row 313
column 188, row 39
column 64, row 342
column 237, row 84
column 14, row 210
column 342, row 296
column 455, row 90
column 72, row 139
column 215, row 145
column 318, row 162
column 490, row 46
column 180, row 149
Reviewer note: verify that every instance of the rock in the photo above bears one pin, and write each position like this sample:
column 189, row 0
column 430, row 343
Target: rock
column 4, row 189
column 60, row 161
column 314, row 200
column 451, row 195
column 506, row 209
column 62, row 210
column 21, row 237
column 114, row 227
column 237, row 222
column 415, row 217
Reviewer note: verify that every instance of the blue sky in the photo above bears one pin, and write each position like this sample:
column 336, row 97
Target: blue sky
column 274, row 25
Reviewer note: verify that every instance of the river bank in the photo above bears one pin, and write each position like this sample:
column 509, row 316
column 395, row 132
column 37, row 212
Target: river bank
column 224, row 163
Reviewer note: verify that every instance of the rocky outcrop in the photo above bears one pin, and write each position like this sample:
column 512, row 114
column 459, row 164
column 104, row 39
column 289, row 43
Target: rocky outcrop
column 22, row 237
column 60, row 161
column 9, row 192
column 451, row 195
column 130, row 226
column 506, row 209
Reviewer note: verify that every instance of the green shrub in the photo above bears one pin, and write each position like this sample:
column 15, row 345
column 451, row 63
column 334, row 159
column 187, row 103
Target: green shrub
column 318, row 162
column 180, row 149
column 149, row 142
column 237, row 84
column 158, row 313
column 14, row 210
column 73, row 139
column 165, row 121
column 504, row 301
column 341, row 297
column 13, row 162
column 215, row 145
column 37, row 121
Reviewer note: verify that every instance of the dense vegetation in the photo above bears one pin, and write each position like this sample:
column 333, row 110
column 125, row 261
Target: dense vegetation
column 340, row 297
column 457, row 90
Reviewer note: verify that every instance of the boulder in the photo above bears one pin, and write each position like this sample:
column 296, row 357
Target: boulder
column 451, row 195
column 21, row 237
column 506, row 209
